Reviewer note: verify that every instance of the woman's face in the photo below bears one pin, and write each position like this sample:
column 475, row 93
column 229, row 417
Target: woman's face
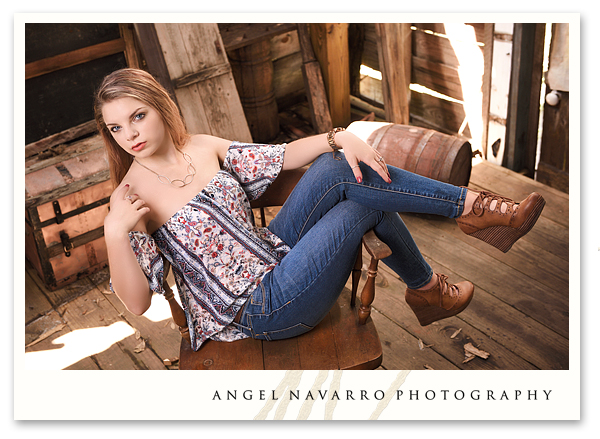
column 135, row 126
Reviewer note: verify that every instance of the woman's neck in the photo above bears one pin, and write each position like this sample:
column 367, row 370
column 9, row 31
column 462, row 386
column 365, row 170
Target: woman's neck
column 166, row 157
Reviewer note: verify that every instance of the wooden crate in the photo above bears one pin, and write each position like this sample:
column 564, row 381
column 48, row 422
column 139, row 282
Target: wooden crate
column 67, row 197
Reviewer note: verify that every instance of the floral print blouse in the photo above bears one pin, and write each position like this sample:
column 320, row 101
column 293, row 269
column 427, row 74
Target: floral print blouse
column 217, row 254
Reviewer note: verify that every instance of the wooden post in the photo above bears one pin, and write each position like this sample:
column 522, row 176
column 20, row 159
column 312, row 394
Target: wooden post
column 486, row 86
column 131, row 53
column 553, row 167
column 330, row 43
column 356, row 43
column 394, row 48
column 152, row 52
column 524, row 97
column 313, row 83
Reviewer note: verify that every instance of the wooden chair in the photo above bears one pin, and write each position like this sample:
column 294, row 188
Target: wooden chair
column 345, row 339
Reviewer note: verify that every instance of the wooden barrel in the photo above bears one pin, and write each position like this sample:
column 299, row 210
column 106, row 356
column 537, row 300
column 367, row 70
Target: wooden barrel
column 252, row 69
column 420, row 150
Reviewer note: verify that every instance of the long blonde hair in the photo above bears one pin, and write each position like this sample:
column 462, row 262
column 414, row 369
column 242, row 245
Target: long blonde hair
column 142, row 86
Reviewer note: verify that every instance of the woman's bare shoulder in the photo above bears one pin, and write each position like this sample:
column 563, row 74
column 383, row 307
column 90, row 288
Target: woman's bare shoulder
column 210, row 143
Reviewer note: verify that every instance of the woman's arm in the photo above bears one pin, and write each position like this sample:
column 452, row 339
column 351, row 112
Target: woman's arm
column 128, row 280
column 303, row 151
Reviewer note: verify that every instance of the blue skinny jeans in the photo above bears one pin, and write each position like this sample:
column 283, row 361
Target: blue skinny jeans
column 323, row 221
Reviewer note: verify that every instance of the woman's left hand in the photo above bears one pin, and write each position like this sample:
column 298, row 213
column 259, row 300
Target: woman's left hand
column 356, row 151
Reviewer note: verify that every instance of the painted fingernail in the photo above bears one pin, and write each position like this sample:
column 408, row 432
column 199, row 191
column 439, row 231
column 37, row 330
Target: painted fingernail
column 359, row 179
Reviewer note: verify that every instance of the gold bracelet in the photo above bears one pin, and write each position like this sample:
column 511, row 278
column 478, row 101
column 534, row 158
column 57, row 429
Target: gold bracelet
column 331, row 140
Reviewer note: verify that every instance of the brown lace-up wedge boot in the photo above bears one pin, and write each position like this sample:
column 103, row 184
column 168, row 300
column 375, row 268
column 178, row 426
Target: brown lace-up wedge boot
column 439, row 302
column 500, row 221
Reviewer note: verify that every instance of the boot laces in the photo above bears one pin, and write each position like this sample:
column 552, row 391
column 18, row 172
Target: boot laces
column 446, row 289
column 485, row 199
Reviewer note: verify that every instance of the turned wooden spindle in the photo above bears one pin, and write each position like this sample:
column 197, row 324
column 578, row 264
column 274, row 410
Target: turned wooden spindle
column 378, row 250
column 356, row 272
column 368, row 292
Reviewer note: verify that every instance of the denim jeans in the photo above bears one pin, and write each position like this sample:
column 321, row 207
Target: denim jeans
column 323, row 221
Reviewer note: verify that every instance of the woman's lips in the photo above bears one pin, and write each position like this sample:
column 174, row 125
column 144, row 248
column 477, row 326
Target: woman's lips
column 139, row 146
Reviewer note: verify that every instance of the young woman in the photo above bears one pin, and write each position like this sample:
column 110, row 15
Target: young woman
column 185, row 198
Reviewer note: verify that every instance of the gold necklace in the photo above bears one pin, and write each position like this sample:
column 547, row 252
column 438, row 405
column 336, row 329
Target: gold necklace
column 177, row 182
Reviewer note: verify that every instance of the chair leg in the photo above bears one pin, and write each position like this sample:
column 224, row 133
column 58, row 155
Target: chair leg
column 356, row 272
column 368, row 293
column 177, row 312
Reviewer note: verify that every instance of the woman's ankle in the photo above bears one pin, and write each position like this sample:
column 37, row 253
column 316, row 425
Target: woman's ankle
column 429, row 285
column 469, row 200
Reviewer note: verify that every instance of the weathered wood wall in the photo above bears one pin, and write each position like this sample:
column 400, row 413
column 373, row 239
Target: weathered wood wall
column 64, row 62
column 66, row 175
column 287, row 69
column 437, row 58
column 435, row 64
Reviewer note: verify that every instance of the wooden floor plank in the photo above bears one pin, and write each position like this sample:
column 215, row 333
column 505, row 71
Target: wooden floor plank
column 389, row 301
column 554, row 236
column 401, row 350
column 85, row 364
column 48, row 343
column 43, row 327
column 36, row 303
column 519, row 342
column 513, row 329
column 162, row 336
column 517, row 187
column 485, row 168
column 69, row 292
column 509, row 285
column 528, row 255
column 93, row 310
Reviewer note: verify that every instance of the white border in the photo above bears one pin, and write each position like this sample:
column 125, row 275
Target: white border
column 29, row 401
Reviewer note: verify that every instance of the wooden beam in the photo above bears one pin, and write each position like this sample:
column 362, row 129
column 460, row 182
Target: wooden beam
column 212, row 106
column 62, row 137
column 131, row 52
column 394, row 48
column 148, row 39
column 73, row 58
column 237, row 35
column 330, row 43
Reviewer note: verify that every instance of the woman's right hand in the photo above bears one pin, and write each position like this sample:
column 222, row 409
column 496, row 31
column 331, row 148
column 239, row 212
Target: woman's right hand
column 126, row 210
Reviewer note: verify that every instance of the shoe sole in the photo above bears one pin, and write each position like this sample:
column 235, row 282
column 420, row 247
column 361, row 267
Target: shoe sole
column 503, row 237
column 429, row 314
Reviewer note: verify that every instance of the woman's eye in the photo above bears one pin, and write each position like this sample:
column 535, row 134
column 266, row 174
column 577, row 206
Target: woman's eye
column 139, row 116
column 114, row 129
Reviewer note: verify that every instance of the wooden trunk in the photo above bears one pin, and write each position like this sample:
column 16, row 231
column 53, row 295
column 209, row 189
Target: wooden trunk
column 425, row 152
column 66, row 200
